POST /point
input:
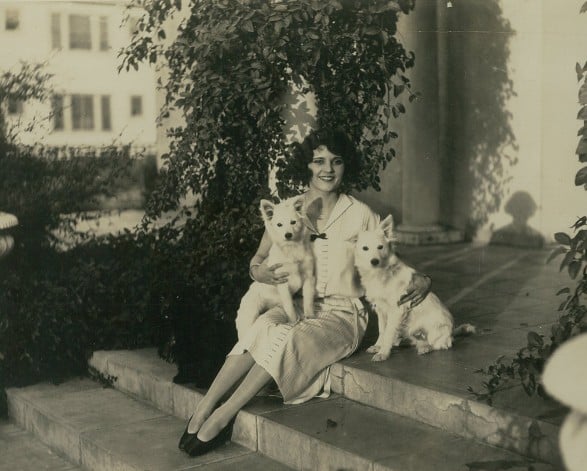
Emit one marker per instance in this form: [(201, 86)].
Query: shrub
[(56, 308)]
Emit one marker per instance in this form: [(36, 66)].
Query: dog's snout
[(288, 235), (374, 262)]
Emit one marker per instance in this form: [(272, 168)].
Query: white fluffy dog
[(291, 247), (429, 325)]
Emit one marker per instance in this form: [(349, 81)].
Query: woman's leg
[(233, 369), (251, 385)]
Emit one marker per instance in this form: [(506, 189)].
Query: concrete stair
[(136, 426), (20, 450)]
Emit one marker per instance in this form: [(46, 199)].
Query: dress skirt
[(298, 356)]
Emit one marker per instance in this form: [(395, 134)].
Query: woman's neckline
[(319, 213)]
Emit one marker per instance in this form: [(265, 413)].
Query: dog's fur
[(429, 325), (291, 247)]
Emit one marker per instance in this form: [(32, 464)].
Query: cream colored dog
[(291, 247), (429, 325)]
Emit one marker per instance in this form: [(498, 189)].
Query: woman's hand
[(417, 290), (267, 274)]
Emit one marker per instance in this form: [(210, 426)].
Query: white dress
[(299, 356)]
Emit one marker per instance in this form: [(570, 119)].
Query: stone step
[(336, 433), (23, 452), (411, 391), (100, 428)]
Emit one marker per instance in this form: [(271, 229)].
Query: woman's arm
[(417, 290), (259, 270)]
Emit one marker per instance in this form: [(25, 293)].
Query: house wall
[(80, 71), (496, 148)]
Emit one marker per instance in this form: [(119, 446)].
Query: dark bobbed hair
[(338, 142)]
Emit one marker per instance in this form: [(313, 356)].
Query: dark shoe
[(196, 447), (186, 436)]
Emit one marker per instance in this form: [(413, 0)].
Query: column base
[(427, 235)]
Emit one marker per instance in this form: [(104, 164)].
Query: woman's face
[(327, 170)]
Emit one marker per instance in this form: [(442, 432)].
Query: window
[(136, 105), (55, 30), (14, 106), (12, 19), (79, 32), (82, 112), (105, 105), (104, 45), (57, 111)]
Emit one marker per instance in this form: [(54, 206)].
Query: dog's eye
[(279, 224), (293, 223), (365, 247), (379, 247)]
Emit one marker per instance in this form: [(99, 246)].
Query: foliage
[(29, 82), (528, 364), (230, 68), (58, 307)]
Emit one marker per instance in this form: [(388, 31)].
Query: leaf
[(579, 71), (581, 177), (563, 291), (574, 268), (535, 340), (582, 146), (569, 257), (555, 253), (582, 113), (562, 238), (584, 8)]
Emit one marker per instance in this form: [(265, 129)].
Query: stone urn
[(7, 221)]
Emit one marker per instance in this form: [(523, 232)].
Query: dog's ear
[(266, 207), (298, 205), (387, 227)]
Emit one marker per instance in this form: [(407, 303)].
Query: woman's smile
[(327, 170)]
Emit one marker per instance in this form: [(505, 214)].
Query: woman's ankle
[(215, 423)]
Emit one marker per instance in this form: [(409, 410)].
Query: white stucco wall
[(550, 37)]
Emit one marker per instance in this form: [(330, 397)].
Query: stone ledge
[(466, 418), (256, 429)]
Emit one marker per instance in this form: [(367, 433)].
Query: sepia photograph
[(266, 235)]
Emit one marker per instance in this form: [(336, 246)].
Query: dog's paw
[(374, 349), (423, 349), (380, 357)]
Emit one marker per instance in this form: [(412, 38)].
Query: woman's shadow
[(518, 233)]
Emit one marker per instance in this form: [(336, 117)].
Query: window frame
[(80, 38), (58, 111), (56, 31), (136, 106), (106, 110), (82, 119), (103, 34), (15, 24)]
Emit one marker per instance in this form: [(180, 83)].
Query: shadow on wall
[(520, 207), (479, 131)]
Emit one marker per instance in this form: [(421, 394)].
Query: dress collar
[(343, 203)]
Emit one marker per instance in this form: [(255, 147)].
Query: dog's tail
[(464, 329)]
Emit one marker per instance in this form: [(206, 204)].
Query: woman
[(298, 356)]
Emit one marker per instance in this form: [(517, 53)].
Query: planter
[(7, 221)]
